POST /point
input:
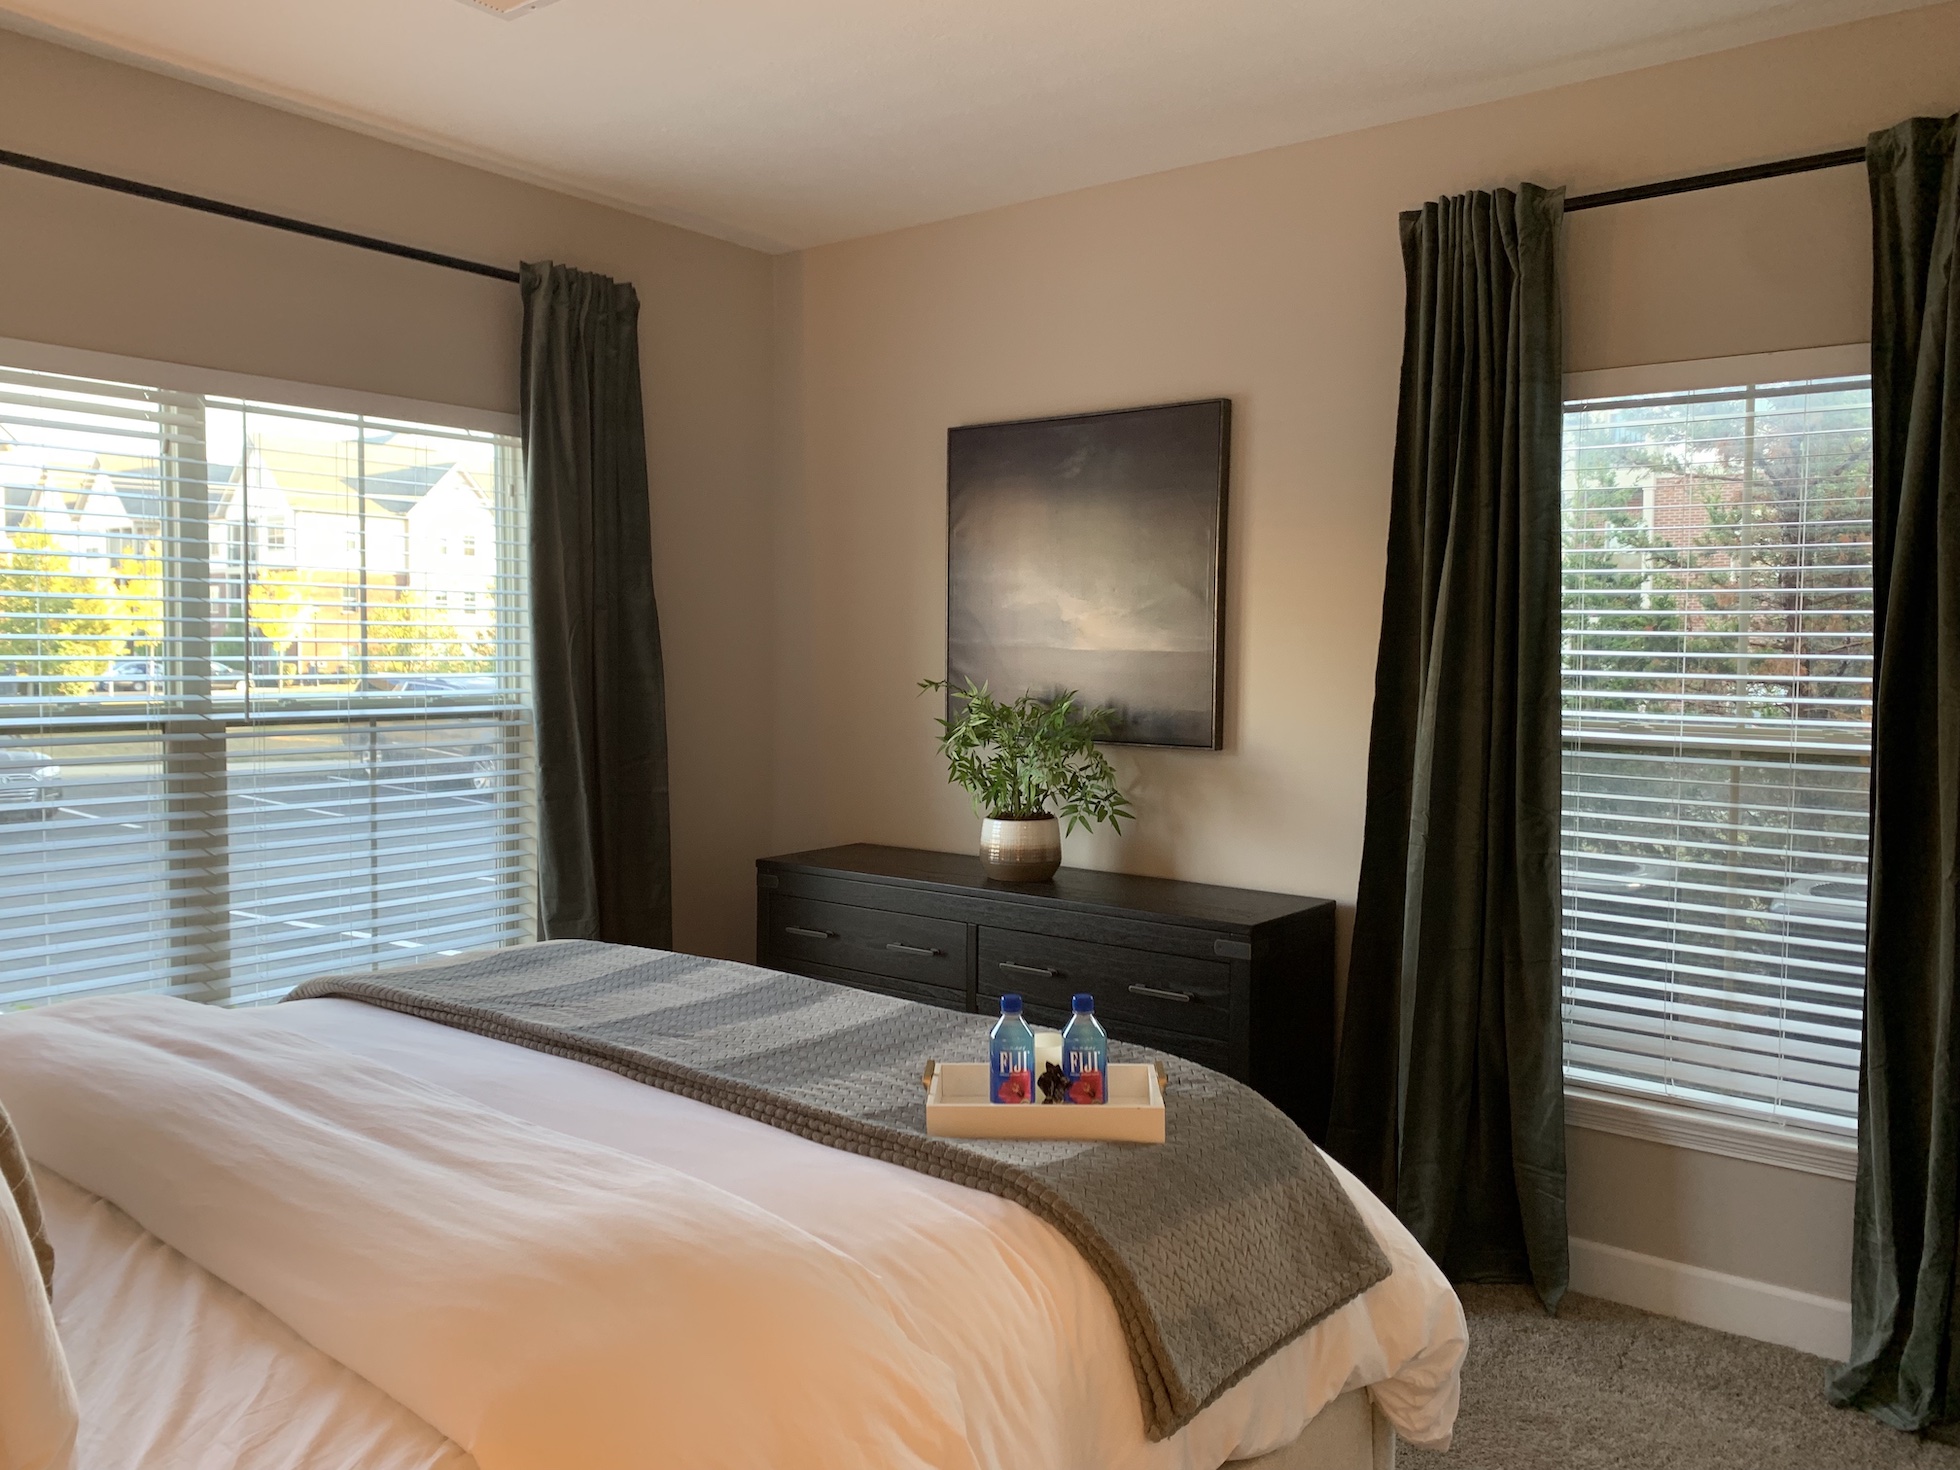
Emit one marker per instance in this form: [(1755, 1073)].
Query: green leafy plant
[(1031, 758)]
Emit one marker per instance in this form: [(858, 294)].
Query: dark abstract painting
[(1088, 553)]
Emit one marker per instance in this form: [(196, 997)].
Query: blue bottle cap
[(1010, 1005), (1084, 1005)]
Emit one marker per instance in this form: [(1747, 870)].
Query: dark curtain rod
[(1809, 163), (30, 164)]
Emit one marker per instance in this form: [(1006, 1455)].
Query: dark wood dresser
[(1240, 981)]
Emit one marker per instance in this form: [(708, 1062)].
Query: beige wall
[(83, 268), (1276, 279), (1742, 1218)]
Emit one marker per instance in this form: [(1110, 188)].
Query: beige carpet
[(1603, 1387)]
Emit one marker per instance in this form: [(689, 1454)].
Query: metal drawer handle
[(1182, 997), (898, 948), (808, 933), (1030, 970)]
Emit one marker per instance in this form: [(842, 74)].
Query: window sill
[(1710, 1133)]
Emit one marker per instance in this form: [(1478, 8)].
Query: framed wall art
[(1088, 553)]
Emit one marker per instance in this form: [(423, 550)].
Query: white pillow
[(37, 1397)]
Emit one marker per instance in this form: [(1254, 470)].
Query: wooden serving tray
[(957, 1107)]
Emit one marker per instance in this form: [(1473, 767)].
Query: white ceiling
[(787, 123)]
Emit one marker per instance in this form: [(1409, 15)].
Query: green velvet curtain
[(1903, 1282), (601, 694), (1449, 1098)]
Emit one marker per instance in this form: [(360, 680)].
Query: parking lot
[(295, 851)]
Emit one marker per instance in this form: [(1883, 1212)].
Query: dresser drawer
[(1167, 992), (931, 995), (1203, 1050), (870, 941)]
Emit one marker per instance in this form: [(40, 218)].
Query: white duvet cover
[(552, 1265), (177, 1371)]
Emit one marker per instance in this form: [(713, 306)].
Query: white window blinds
[(255, 722), (1717, 649)]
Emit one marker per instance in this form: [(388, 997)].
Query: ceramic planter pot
[(1014, 851)]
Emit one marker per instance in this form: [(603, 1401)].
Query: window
[(1717, 649), (469, 546), (218, 774)]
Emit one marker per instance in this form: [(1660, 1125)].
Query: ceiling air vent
[(508, 9)]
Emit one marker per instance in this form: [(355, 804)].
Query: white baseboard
[(1758, 1309)]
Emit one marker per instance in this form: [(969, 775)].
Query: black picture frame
[(1087, 552)]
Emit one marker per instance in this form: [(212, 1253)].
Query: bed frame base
[(1349, 1434)]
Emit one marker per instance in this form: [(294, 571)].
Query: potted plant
[(1026, 764)]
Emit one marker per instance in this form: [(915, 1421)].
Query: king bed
[(332, 1233)]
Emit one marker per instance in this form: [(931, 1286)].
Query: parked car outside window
[(30, 784), (145, 676)]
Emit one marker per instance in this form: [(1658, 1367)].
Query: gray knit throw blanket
[(1218, 1246)]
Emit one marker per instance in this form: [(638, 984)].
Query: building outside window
[(223, 770), (1717, 652)]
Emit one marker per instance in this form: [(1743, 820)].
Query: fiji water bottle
[(1085, 1054), (1010, 1056)]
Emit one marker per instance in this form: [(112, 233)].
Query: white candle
[(1047, 1048)]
